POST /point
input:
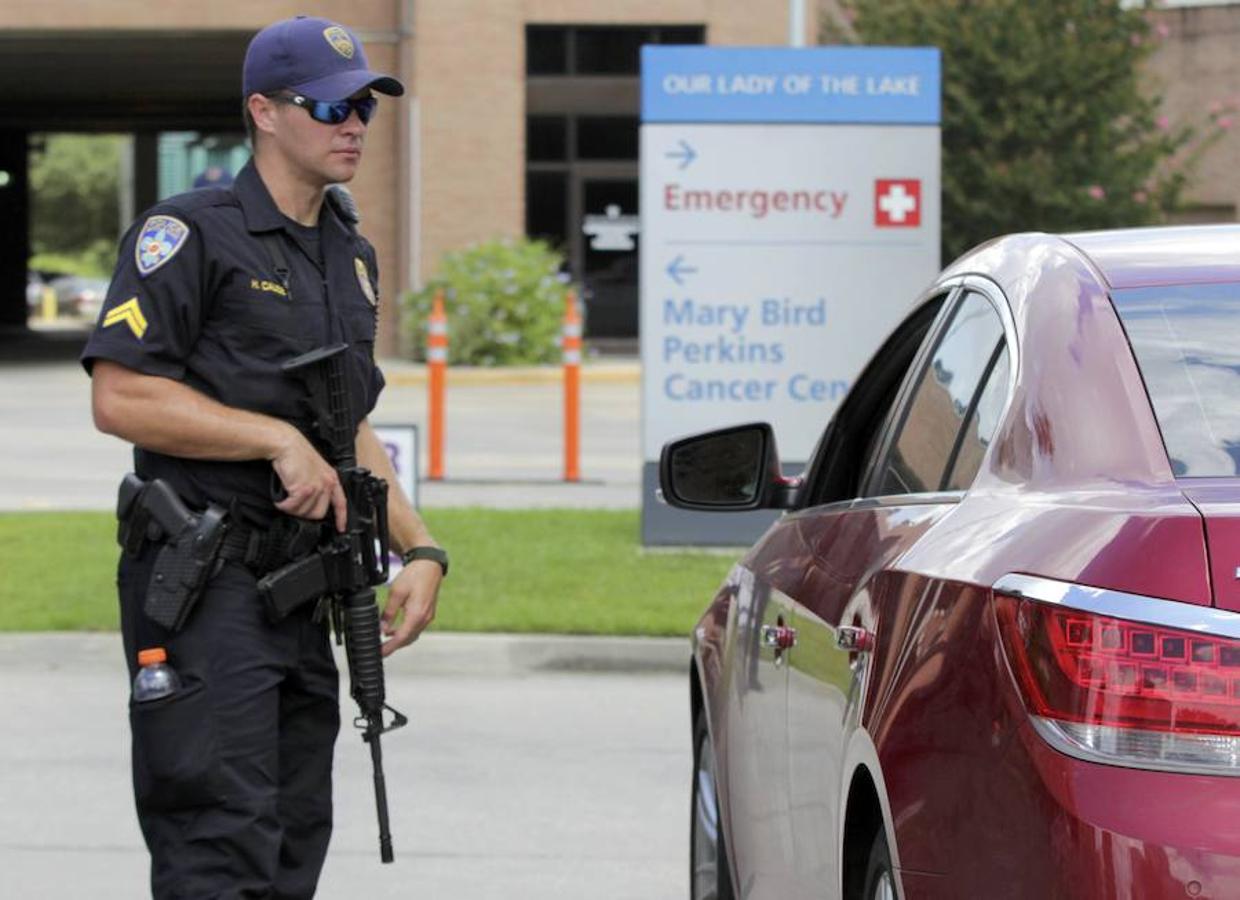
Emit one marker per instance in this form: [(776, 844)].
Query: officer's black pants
[(232, 775)]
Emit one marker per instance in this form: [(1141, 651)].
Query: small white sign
[(401, 444), (613, 231)]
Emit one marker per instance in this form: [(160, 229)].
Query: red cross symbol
[(897, 203)]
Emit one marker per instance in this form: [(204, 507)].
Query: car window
[(847, 447), (942, 400), (1184, 340), (975, 436)]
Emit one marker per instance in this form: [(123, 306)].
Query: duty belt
[(193, 545), (265, 550), (152, 512)]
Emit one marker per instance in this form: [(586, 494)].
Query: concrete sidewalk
[(434, 654), (404, 373)]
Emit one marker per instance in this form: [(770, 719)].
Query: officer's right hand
[(312, 485)]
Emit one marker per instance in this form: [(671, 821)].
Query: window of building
[(607, 137), (546, 50), (546, 207), (610, 51), (583, 104), (598, 49), (546, 138)]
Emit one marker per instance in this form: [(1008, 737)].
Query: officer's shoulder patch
[(158, 241)]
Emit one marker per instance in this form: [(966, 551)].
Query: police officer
[(213, 290)]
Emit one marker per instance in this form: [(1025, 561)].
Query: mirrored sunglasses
[(333, 112)]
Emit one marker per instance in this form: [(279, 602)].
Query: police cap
[(315, 57)]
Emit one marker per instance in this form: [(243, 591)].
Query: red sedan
[(992, 649)]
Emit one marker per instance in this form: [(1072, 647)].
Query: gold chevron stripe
[(130, 313)]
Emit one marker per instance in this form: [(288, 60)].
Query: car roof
[(1145, 257)]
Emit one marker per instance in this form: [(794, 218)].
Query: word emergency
[(758, 203)]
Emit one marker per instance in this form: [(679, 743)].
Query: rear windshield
[(1187, 342)]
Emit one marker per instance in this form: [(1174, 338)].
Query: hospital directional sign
[(790, 214)]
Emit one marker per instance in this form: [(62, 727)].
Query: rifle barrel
[(381, 807)]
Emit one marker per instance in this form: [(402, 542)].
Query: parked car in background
[(34, 293), (992, 649), (79, 296)]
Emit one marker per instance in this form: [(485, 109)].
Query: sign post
[(790, 215)]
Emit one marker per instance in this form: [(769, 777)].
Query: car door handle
[(778, 637), (854, 639)]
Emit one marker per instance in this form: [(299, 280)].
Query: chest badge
[(158, 241), (363, 279)]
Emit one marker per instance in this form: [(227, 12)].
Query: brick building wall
[(1197, 65)]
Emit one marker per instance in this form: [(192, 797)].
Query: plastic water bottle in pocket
[(155, 678)]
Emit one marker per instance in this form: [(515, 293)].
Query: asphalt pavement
[(521, 776)]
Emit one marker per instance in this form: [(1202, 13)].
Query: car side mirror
[(729, 470)]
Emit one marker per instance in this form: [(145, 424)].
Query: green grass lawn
[(558, 571)]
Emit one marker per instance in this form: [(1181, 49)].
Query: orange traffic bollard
[(437, 365), (572, 389)]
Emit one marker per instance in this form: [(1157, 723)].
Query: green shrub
[(504, 300), (75, 201), (95, 261)]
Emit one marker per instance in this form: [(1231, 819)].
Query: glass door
[(604, 246)]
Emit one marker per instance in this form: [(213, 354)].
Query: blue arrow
[(676, 268), (685, 154)]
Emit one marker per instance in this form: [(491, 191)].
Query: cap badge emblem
[(363, 279), (158, 241), (340, 40)]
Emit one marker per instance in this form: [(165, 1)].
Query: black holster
[(190, 552)]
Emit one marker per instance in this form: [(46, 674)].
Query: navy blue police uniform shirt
[(196, 298)]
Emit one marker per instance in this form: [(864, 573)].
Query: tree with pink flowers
[(1048, 123)]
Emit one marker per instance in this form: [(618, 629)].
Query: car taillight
[(1125, 692)]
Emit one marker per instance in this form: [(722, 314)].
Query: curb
[(436, 654), (402, 373), (518, 654)]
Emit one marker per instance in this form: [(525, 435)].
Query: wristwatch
[(438, 554)]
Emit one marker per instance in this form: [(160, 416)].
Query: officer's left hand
[(411, 603)]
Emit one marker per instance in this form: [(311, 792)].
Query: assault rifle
[(346, 566)]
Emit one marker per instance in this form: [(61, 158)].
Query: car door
[(760, 814), (911, 479), (759, 810), (757, 746)]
